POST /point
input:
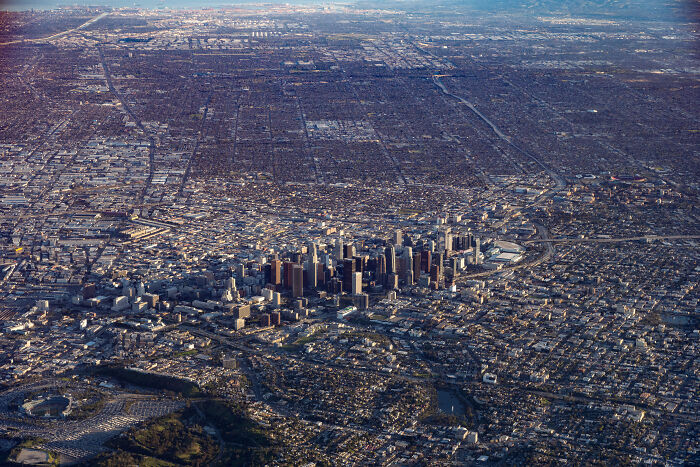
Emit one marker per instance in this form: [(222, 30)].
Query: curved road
[(613, 239), (60, 34), (558, 179)]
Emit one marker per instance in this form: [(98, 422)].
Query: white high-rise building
[(357, 283)]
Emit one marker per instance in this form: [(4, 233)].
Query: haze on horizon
[(682, 10)]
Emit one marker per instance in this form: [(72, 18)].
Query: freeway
[(545, 256), (558, 179), (139, 124), (614, 239), (244, 348), (60, 34)]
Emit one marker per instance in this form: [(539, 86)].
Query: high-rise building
[(477, 251), (312, 274), (356, 283), (349, 268), (276, 318), (390, 253), (380, 271), (151, 299), (435, 273), (398, 238), (320, 274), (334, 286), (339, 251), (276, 272), (401, 266), (359, 263), (297, 280), (349, 251), (287, 274), (276, 299), (425, 261), (408, 264), (455, 263), (439, 259), (416, 266), (265, 320), (361, 301), (242, 311)]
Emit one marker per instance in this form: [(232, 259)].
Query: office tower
[(431, 246), (266, 293), (297, 280), (416, 266), (380, 271), (398, 238), (408, 263), (439, 259), (392, 281), (463, 242), (312, 274), (151, 299), (276, 318), (477, 251), (127, 289), (448, 242), (356, 283), (349, 251), (435, 273), (348, 270), (240, 271), (335, 286), (276, 272), (242, 311), (267, 273), (390, 253), (277, 299), (320, 274), (361, 301), (265, 320), (339, 251), (313, 252), (425, 261), (360, 263), (401, 266), (287, 274)]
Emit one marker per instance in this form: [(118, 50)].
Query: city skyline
[(350, 234)]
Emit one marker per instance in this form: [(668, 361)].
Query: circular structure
[(49, 406)]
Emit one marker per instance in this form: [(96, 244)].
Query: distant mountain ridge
[(678, 10)]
